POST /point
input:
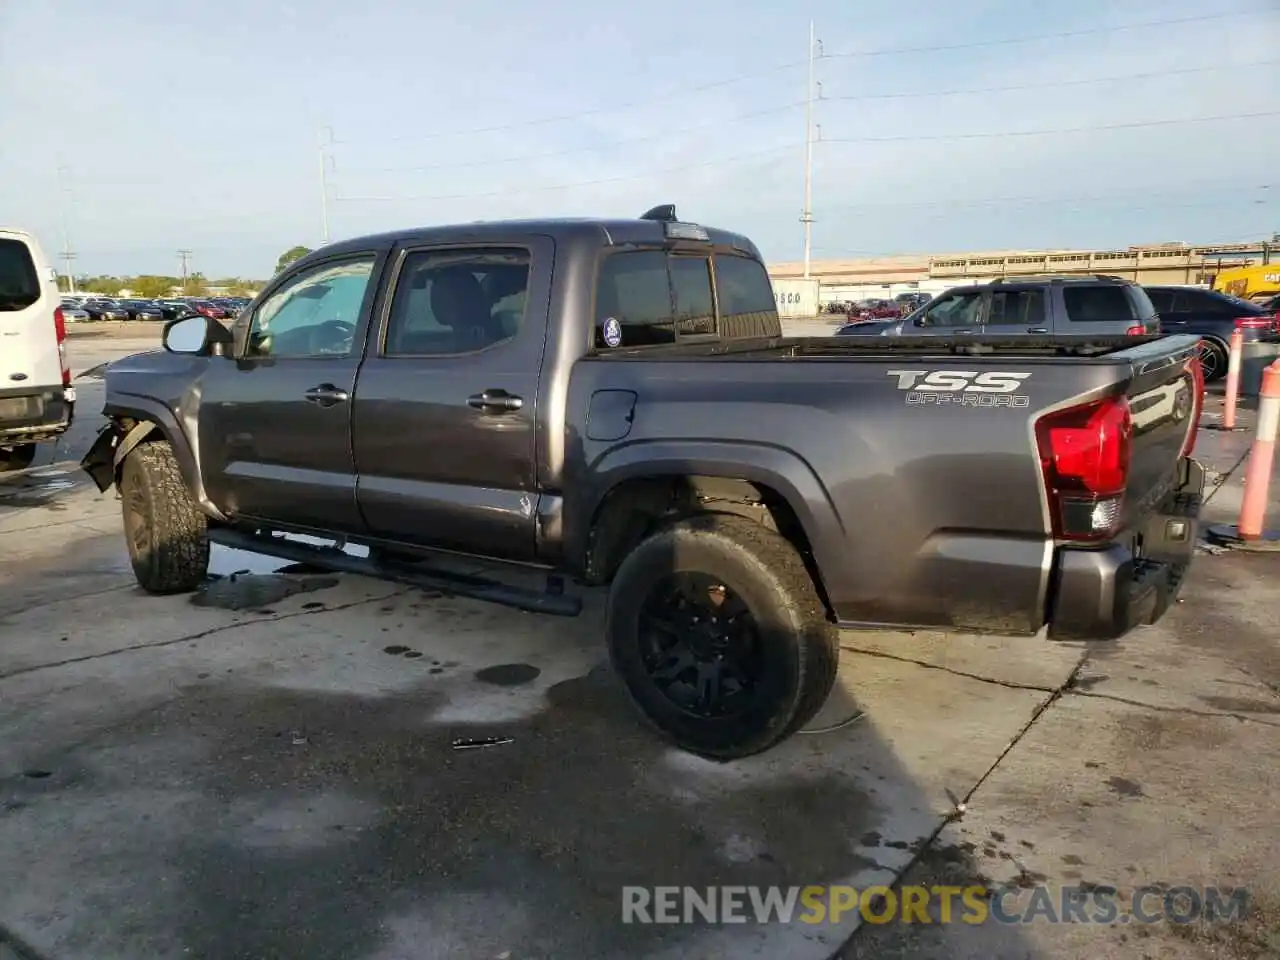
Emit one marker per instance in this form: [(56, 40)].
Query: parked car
[(607, 418), (874, 310), (209, 310), (100, 308), (142, 310), (1031, 306), (72, 312), (37, 400), (1214, 316), (173, 309)]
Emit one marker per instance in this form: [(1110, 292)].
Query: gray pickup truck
[(611, 402)]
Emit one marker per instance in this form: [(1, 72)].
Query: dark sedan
[(101, 308), (142, 310), (1214, 316)]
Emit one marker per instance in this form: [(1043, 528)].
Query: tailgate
[(1165, 399)]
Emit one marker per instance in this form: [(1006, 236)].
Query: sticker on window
[(612, 331)]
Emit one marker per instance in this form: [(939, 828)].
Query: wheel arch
[(647, 486)]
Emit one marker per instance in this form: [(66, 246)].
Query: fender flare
[(771, 466), (153, 416)]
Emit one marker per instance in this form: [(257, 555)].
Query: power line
[(569, 186), (665, 135), (592, 112), (1061, 35), (958, 92), (795, 105), (1136, 124), (789, 65), (183, 257), (1136, 191)]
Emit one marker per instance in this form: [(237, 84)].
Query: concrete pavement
[(271, 772)]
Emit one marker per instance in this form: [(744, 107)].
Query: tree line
[(152, 285)]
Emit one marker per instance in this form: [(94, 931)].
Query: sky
[(141, 127)]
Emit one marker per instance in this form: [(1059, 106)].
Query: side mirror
[(195, 334)]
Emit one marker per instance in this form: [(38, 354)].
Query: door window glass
[(313, 315), (955, 310), (1016, 308), (1162, 300), (449, 302)]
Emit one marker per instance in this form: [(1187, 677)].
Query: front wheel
[(17, 457), (166, 533), (718, 633)]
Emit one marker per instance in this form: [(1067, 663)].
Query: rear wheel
[(1213, 358), (718, 633), (166, 533), (17, 457)]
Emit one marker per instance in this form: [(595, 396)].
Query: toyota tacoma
[(613, 403)]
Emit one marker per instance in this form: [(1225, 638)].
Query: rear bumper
[(1102, 593), (29, 416)]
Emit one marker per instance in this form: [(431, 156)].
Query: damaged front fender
[(103, 460)]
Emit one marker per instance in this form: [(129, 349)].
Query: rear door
[(30, 358), (1017, 311), (446, 406)]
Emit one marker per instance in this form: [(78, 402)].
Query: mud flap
[(99, 462)]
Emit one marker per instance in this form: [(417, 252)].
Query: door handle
[(495, 401), (1037, 329), (962, 331), (326, 395)]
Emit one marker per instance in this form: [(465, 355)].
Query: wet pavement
[(289, 763)]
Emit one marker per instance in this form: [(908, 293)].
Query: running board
[(416, 575)]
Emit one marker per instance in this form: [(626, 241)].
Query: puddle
[(224, 561), (508, 674), (251, 591)]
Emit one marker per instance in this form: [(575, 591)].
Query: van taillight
[(1195, 370), (60, 331), (1084, 457)]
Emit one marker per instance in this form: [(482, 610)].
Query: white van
[(37, 400)]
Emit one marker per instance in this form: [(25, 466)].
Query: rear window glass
[(1097, 304), (1143, 307), (634, 290), (691, 285), (19, 284), (747, 307)]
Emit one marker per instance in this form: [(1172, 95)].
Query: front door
[(952, 314), (446, 405), (275, 420)]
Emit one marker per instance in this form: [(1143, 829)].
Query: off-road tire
[(1218, 354), (166, 533), (766, 571), (17, 457)]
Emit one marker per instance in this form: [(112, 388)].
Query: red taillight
[(1136, 331), (60, 331), (1255, 323), (1084, 456), (1195, 370)]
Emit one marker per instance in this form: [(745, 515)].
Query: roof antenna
[(664, 212)]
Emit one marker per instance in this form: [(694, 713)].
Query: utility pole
[(65, 199), (807, 216), (326, 140), (183, 257)]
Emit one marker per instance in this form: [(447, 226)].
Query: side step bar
[(416, 575)]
